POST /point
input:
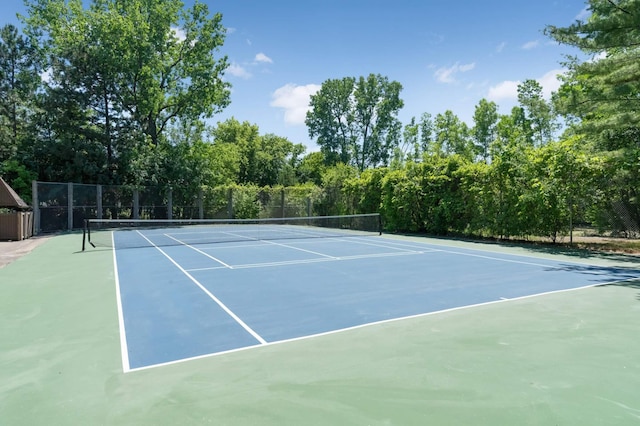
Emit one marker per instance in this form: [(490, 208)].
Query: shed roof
[(9, 198)]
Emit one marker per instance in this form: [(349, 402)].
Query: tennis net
[(120, 233)]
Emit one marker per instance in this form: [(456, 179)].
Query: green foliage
[(485, 118), (539, 112), (121, 73), (245, 201), (425, 197), (365, 191), (602, 92), (334, 200), (18, 177), (130, 83), (19, 79), (262, 160), (451, 136), (311, 168), (355, 121)]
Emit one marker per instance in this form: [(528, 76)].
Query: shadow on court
[(536, 248)]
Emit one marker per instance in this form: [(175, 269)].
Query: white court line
[(300, 249), (360, 241), (377, 323), (223, 246), (199, 251), (288, 246), (305, 261), (124, 349), (415, 245), (211, 295)]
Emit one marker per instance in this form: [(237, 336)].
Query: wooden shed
[(16, 217)]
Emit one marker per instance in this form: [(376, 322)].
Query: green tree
[(452, 136), (332, 121), (263, 160), (600, 97), (130, 68), (426, 132), (355, 122), (539, 112), (485, 120), (410, 148), (335, 200), (511, 130), (311, 168), (19, 80), (245, 137), (603, 92)]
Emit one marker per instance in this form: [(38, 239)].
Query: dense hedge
[(525, 191)]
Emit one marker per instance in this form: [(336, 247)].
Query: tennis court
[(277, 323)]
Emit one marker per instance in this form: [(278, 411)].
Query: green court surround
[(565, 358)]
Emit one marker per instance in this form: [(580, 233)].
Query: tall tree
[(603, 91), (355, 122), (138, 64), (601, 96), (263, 160), (19, 80), (426, 132), (538, 110), (452, 136), (410, 149), (512, 130), (485, 119)]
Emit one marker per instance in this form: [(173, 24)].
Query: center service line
[(211, 295), (199, 251)]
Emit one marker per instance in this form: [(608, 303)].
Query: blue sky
[(446, 55)]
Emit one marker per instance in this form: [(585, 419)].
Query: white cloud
[(179, 33), (295, 101), (501, 47), (238, 71), (261, 57), (231, 30), (550, 82), (531, 45), (447, 75), (506, 90)]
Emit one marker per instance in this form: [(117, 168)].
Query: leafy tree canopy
[(603, 92), (355, 121)]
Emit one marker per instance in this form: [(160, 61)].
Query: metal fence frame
[(61, 206)]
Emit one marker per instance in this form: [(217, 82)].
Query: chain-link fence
[(65, 206)]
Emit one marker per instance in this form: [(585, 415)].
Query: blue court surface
[(184, 301)]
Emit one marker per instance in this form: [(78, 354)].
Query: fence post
[(136, 204), (36, 207), (70, 205), (308, 206), (169, 204), (99, 201), (230, 203), (282, 200), (200, 204)]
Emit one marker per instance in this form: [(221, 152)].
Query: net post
[(84, 234), (282, 204), (379, 224)]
